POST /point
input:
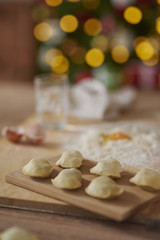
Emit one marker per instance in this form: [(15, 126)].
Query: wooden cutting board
[(15, 156), (118, 209)]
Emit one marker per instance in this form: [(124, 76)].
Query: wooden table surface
[(16, 103)]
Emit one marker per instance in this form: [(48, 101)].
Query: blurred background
[(114, 41)]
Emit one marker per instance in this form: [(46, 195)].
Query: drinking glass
[(51, 99)]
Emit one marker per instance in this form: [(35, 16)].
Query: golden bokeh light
[(53, 3), (153, 40), (69, 23), (91, 4), (153, 61), (158, 25), (94, 57), (77, 55), (120, 54), (158, 1), (100, 42), (43, 31), (144, 50), (51, 54), (132, 15), (155, 43), (92, 27), (139, 39), (60, 64)]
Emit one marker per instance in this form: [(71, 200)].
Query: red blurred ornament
[(145, 2), (82, 76), (142, 76), (108, 23), (84, 16)]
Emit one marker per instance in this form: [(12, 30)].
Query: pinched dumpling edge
[(30, 168), (112, 190), (72, 174), (143, 177), (70, 159), (113, 172)]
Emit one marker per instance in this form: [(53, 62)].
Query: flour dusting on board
[(141, 149)]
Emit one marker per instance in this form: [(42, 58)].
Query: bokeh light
[(53, 3), (100, 42), (145, 50), (68, 23), (155, 42), (43, 31), (120, 54), (139, 39), (94, 57), (158, 25), (77, 55), (51, 54), (92, 27), (158, 1), (59, 64), (91, 4), (132, 15), (153, 61)]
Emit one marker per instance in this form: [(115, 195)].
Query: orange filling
[(114, 137), (119, 135)]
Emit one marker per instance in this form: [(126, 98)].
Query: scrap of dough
[(110, 167), (103, 187), (70, 159), (148, 179), (68, 179), (37, 167), (16, 233)]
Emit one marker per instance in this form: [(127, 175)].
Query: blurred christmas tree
[(113, 41)]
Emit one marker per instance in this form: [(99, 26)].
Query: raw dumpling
[(70, 159), (37, 167), (110, 167), (103, 187), (16, 233), (68, 179), (148, 179)]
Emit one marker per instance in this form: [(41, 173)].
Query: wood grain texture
[(52, 226), (118, 209), (15, 156)]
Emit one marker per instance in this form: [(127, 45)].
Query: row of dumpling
[(101, 187)]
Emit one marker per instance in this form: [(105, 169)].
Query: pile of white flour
[(143, 150)]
